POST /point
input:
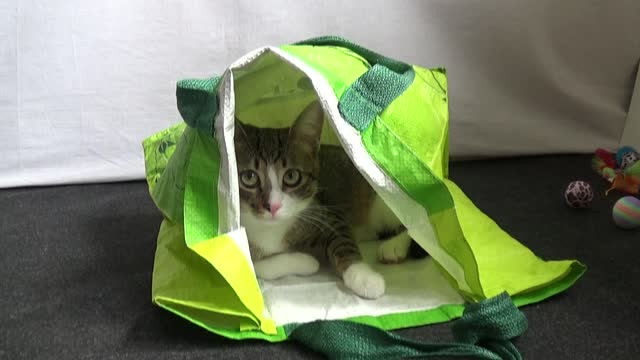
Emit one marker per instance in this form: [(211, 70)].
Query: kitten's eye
[(249, 178), (292, 178)]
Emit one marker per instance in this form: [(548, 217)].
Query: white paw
[(280, 265), (363, 281), (264, 271), (363, 233), (394, 250), (303, 264)]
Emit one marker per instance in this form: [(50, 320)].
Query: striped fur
[(319, 228)]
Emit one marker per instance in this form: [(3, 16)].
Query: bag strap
[(484, 331), (371, 93), (371, 56), (198, 102)]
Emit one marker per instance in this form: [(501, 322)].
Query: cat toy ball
[(629, 159), (621, 169), (578, 194), (618, 155), (626, 212)]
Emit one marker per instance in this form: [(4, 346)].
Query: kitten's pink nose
[(274, 207)]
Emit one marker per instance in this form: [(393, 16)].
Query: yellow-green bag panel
[(504, 264), (182, 276), (167, 155), (415, 179), (201, 189), (419, 118), (224, 254), (339, 66), (158, 149), (211, 322)]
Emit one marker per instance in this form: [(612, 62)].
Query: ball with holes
[(579, 194), (629, 159), (626, 212), (622, 152)]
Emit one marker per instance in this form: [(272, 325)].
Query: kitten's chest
[(266, 239)]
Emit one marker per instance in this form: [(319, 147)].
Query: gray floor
[(76, 268)]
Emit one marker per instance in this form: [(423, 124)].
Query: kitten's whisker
[(317, 220), (304, 220), (337, 210), (313, 221), (319, 226), (318, 206)]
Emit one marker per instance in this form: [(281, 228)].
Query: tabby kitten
[(301, 203)]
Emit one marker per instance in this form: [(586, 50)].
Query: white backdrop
[(83, 82)]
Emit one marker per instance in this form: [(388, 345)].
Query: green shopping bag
[(391, 119)]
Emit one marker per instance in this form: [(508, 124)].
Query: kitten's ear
[(308, 126), (240, 137), (239, 133)]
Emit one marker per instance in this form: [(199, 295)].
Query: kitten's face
[(278, 168)]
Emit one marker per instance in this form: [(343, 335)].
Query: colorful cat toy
[(621, 169)]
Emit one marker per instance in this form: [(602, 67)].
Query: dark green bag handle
[(484, 331)]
